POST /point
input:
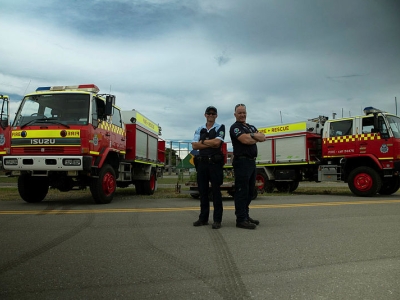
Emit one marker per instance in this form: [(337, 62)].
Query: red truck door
[(340, 138), (379, 143)]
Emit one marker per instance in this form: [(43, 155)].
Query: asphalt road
[(306, 247)]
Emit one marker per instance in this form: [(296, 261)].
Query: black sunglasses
[(211, 114)]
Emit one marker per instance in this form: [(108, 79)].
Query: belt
[(245, 157), (205, 159)]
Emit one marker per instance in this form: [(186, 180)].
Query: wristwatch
[(252, 134)]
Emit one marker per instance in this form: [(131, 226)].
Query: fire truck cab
[(70, 137), (363, 151)]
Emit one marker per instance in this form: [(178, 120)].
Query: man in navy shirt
[(244, 138), (208, 139)]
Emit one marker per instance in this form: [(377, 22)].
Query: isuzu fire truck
[(363, 151), (71, 137), (4, 126)]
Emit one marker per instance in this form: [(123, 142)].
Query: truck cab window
[(116, 118), (99, 107), (341, 128), (367, 125), (394, 123), (383, 128)]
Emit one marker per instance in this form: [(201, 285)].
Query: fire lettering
[(73, 133)]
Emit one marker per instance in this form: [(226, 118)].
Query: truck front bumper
[(47, 163)]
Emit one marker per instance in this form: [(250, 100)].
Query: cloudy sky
[(288, 61)]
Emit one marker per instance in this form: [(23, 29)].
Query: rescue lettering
[(43, 141), (148, 123), (280, 128)]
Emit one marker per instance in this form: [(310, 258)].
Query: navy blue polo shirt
[(240, 149)]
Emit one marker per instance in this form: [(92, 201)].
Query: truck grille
[(48, 150)]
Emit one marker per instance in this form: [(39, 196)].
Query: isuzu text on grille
[(43, 141)]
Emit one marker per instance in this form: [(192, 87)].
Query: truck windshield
[(63, 108), (394, 123)]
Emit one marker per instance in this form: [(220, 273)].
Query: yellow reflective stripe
[(352, 138), (2, 152), (94, 152), (71, 133), (142, 120), (288, 128), (112, 127)]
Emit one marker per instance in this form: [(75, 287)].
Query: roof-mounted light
[(370, 110), (43, 88), (82, 87)]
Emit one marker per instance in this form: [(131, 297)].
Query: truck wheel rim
[(260, 179), (108, 184), (152, 182), (363, 182)]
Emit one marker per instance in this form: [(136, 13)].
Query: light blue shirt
[(219, 136)]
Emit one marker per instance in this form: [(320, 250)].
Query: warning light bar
[(83, 87), (370, 110)]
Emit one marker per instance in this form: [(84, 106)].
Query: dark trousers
[(208, 172), (245, 181)]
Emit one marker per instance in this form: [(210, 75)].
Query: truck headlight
[(71, 162), (10, 161)]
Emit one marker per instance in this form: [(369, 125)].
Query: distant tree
[(174, 157)]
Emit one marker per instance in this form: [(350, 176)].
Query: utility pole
[(170, 159)]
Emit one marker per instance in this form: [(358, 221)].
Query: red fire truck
[(4, 126), (71, 137), (363, 151)]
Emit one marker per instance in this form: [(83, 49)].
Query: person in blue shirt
[(208, 139)]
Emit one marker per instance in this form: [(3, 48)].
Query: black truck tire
[(103, 187), (364, 182), (287, 186), (32, 189), (150, 186), (390, 186), (139, 187)]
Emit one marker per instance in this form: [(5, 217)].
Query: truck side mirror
[(110, 101)]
